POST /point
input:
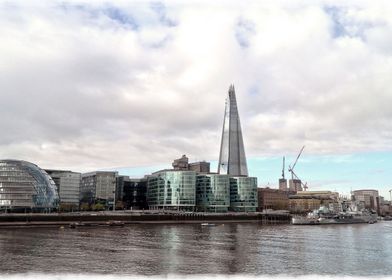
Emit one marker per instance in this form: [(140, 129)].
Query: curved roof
[(24, 184)]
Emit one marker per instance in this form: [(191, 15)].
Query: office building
[(26, 187), (212, 192), (243, 194), (172, 189), (131, 193), (68, 186), (369, 198), (273, 199), (98, 186)]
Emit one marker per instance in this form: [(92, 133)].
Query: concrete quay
[(113, 218)]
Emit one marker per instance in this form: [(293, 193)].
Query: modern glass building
[(98, 186), (131, 192), (232, 159), (172, 189), (243, 194), (26, 187), (212, 192)]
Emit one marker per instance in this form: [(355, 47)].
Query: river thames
[(237, 248)]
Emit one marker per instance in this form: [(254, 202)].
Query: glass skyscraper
[(232, 159), (172, 189)]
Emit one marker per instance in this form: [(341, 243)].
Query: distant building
[(283, 185), (200, 167), (305, 201), (172, 189), (181, 163), (68, 186), (98, 186), (132, 193), (212, 192), (368, 197), (295, 185), (272, 199), (303, 204), (385, 207), (322, 195), (26, 187)]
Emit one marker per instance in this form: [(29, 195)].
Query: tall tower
[(232, 158)]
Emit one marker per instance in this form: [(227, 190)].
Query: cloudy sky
[(131, 85)]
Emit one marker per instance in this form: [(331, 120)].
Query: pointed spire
[(232, 158)]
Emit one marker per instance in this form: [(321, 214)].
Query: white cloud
[(88, 85)]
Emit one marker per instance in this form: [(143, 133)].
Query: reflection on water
[(192, 249)]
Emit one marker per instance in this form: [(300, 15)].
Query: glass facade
[(172, 190), (131, 192), (243, 194), (212, 193), (24, 185)]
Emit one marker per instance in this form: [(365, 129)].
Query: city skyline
[(92, 86)]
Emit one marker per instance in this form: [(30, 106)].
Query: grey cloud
[(84, 96)]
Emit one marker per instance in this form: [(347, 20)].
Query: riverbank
[(115, 218)]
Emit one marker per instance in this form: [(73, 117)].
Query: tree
[(98, 207), (85, 207)]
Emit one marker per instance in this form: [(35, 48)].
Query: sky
[(132, 85)]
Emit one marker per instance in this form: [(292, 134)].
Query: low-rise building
[(303, 205), (274, 199), (306, 201)]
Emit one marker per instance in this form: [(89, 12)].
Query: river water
[(238, 248)]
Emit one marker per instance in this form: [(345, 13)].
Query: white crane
[(293, 175)]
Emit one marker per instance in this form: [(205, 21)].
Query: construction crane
[(293, 175), (390, 197)]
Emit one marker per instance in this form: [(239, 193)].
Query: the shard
[(232, 158)]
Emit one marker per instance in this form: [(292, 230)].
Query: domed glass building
[(24, 186)]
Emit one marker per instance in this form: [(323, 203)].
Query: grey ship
[(324, 216)]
